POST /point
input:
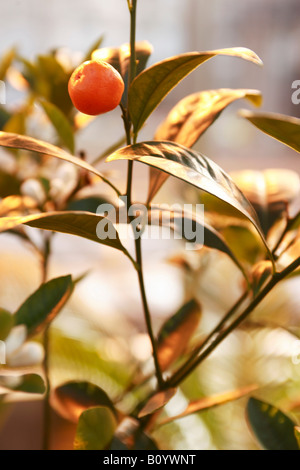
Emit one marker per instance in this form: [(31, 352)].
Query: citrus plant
[(249, 223)]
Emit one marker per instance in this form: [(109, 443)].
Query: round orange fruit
[(95, 87)]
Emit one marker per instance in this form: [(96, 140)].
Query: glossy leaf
[(60, 123), (28, 383), (157, 401), (44, 304), (95, 429), (176, 333), (72, 398), (190, 118), (151, 86), (273, 429), (297, 434), (11, 140), (206, 403), (177, 220), (286, 129), (6, 323), (193, 168), (82, 224)]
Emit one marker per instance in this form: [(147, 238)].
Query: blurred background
[(104, 316)]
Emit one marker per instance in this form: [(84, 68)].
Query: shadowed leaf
[(86, 204), (212, 401), (190, 118), (60, 123), (151, 86), (297, 435), (286, 129), (95, 429), (11, 140), (72, 398), (6, 323), (44, 304), (157, 401), (176, 333), (28, 383), (273, 429), (82, 224), (9, 184)]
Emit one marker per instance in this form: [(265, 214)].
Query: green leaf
[(93, 47), (157, 401), (190, 118), (193, 168), (44, 304), (206, 403), (82, 224), (28, 383), (95, 429), (6, 323), (12, 140), (60, 123), (286, 129), (151, 86), (72, 398), (297, 434), (273, 429), (176, 332)]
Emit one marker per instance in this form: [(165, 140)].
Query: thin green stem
[(147, 312), (216, 330), (277, 277)]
